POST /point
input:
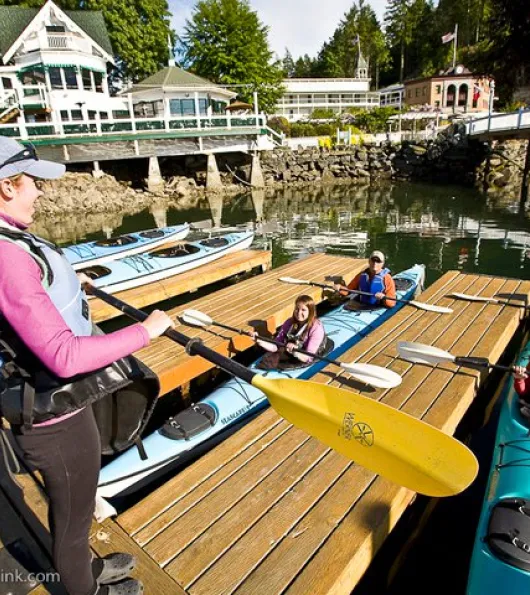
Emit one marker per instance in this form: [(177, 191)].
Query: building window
[(91, 114), (438, 89), (7, 83), (103, 115), (424, 91), (409, 93), (77, 114), (436, 104), (417, 92), (56, 81), (98, 80), (64, 115), (187, 107), (87, 79), (70, 76), (55, 29)]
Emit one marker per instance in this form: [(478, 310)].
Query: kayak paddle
[(385, 440), (419, 305), (419, 353), (491, 300), (367, 373)]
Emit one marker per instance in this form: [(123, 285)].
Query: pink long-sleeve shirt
[(29, 310), (314, 337)]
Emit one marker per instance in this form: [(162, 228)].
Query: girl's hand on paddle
[(520, 372), (86, 281), (380, 295), (290, 347), (156, 323), (338, 287)]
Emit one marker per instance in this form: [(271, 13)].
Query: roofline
[(446, 76), (9, 54)]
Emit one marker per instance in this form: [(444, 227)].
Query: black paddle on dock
[(419, 353), (385, 440)]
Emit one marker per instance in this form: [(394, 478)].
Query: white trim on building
[(303, 96)]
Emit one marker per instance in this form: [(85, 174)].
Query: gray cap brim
[(45, 170)]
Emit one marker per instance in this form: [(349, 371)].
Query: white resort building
[(303, 96)]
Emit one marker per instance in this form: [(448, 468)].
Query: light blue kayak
[(101, 251), (501, 554), (134, 271), (235, 399)]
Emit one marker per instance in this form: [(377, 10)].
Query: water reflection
[(444, 227)]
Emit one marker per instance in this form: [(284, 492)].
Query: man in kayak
[(374, 280), (56, 369), (303, 330)]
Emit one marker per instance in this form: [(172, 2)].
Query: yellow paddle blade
[(385, 440)]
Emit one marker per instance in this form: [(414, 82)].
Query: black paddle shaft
[(480, 362), (358, 291), (271, 340), (193, 346)]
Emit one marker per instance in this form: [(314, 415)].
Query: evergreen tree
[(225, 41), (288, 65), (399, 28)]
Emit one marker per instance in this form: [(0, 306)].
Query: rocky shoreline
[(449, 159)]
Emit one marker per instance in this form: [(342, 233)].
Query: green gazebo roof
[(172, 76)]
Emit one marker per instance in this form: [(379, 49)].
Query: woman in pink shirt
[(45, 328), (303, 330)]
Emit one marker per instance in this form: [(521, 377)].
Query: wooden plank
[(140, 297), (186, 481), (333, 487), (109, 537), (187, 566), (167, 544), (208, 486)]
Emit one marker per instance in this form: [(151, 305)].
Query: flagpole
[(455, 41)]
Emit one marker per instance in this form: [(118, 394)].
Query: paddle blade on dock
[(385, 440)]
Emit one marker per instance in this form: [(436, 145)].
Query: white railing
[(135, 125), (499, 123)]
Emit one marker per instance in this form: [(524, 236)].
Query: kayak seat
[(214, 242), (96, 272), (190, 422), (176, 251), (403, 284), (117, 241), (508, 534), (152, 234), (281, 360)]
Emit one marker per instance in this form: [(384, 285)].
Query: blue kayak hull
[(141, 269), (509, 478), (235, 399), (98, 252)]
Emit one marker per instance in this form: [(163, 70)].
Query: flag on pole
[(476, 92), (448, 37)]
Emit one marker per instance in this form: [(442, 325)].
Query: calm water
[(444, 227)]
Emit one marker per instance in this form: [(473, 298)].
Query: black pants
[(68, 456)]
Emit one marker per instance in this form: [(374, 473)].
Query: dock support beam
[(213, 178), (97, 172), (155, 183), (256, 175), (526, 175)]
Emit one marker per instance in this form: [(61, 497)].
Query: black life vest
[(123, 394)]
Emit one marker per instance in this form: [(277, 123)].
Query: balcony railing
[(137, 126)]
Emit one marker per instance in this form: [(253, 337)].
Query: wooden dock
[(236, 263), (271, 510)]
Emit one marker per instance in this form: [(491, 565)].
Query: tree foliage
[(138, 31), (225, 42)]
